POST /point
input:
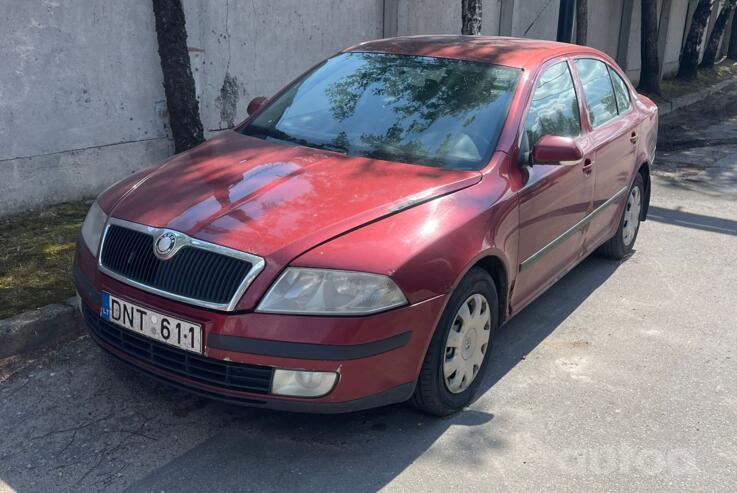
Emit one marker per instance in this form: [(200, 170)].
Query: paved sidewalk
[(621, 377)]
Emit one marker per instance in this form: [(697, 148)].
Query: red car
[(360, 237)]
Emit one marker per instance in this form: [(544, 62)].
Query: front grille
[(192, 273), (223, 374)]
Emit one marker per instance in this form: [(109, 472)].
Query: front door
[(555, 198)]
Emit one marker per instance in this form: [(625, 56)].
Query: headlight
[(92, 227), (326, 291)]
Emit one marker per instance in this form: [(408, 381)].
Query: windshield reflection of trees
[(418, 92)]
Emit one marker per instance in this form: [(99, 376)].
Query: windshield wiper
[(329, 146), (274, 133)]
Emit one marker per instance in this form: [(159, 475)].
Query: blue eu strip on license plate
[(105, 308)]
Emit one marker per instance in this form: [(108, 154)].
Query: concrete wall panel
[(253, 48), (675, 35), (605, 20), (429, 17), (69, 175), (77, 75), (442, 17), (536, 19), (81, 96)]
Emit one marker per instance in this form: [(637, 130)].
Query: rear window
[(421, 110)]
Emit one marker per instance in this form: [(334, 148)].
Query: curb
[(688, 99), (38, 328)]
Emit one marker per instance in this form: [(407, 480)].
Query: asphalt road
[(622, 377)]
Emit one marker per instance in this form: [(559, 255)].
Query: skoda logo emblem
[(165, 244)]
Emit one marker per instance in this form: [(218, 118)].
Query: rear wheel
[(459, 350), (621, 244)]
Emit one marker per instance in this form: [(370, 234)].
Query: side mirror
[(556, 150), (256, 104)]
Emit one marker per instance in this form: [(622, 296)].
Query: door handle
[(633, 137), (588, 166)]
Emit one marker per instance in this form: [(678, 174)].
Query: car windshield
[(413, 109)]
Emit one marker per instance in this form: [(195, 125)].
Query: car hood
[(276, 200)]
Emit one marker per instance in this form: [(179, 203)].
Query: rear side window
[(597, 88), (553, 109), (620, 91)]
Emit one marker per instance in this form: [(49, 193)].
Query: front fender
[(428, 248)]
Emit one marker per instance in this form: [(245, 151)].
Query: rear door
[(613, 139), (554, 198)]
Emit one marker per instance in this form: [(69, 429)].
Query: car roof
[(512, 52)]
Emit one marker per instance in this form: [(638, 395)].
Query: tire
[(433, 393), (620, 245)]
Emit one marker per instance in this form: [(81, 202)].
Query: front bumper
[(377, 357)]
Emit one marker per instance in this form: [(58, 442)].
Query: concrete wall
[(81, 101), (603, 28), (675, 36), (81, 96), (632, 64), (421, 17), (530, 18), (242, 49)]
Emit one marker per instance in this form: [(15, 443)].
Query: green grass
[(36, 253), (672, 88)]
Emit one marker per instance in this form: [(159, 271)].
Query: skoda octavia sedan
[(358, 240)]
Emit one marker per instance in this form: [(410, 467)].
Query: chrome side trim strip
[(571, 231), (257, 263)]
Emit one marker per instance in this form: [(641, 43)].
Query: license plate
[(169, 330)]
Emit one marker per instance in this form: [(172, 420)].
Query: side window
[(597, 88), (620, 91), (553, 109)]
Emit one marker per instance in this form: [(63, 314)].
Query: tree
[(582, 21), (732, 50), (181, 99), (471, 14), (650, 66), (715, 38), (687, 69)]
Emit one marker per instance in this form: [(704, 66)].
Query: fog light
[(302, 383)]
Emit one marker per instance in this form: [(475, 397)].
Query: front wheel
[(621, 244), (459, 350)]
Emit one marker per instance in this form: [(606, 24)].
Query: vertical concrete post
[(391, 18), (663, 22), (623, 42), (716, 4), (506, 17), (689, 16), (727, 37)]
